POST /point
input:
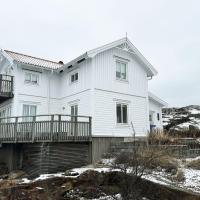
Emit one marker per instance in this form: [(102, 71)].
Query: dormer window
[(74, 77), (121, 70)]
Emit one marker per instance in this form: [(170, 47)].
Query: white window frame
[(31, 74), (73, 105), (127, 107), (126, 70), (26, 117), (74, 74)]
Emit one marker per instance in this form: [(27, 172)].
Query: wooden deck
[(45, 128)]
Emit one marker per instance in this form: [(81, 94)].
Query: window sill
[(73, 83), (31, 84), (122, 125), (122, 80)]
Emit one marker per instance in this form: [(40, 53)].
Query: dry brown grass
[(148, 158), (194, 164), (162, 159), (159, 137)]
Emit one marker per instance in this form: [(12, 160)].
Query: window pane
[(118, 112), (123, 70), (28, 77), (25, 110), (34, 78), (118, 70), (32, 110), (76, 109), (124, 110), (72, 110), (72, 78), (76, 76)]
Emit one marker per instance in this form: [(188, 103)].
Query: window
[(6, 113), (158, 116), (31, 78), (74, 77), (74, 112), (150, 118), (121, 70), (29, 110), (122, 114)]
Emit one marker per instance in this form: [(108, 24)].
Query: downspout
[(49, 92)]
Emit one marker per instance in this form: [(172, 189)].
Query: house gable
[(123, 44)]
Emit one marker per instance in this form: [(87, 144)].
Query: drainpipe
[(49, 91)]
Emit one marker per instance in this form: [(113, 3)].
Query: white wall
[(105, 73), (107, 90), (96, 93), (55, 93), (156, 108), (105, 122)]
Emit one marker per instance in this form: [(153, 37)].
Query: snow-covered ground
[(192, 177)]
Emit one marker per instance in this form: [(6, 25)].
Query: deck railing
[(45, 128), (6, 85)]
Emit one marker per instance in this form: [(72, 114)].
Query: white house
[(109, 83)]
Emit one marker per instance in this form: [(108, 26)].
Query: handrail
[(45, 130), (22, 116), (5, 75)]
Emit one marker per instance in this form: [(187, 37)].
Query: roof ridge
[(33, 57)]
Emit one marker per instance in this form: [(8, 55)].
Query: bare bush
[(138, 163)]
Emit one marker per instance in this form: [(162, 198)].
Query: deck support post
[(51, 127), (33, 129), (90, 128)]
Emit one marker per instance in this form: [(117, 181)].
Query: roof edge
[(157, 99)]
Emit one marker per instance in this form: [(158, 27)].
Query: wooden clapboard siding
[(53, 128), (41, 158)]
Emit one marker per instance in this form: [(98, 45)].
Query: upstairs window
[(74, 77), (122, 114), (31, 78), (121, 70)]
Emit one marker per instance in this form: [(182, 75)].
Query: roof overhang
[(124, 44), (157, 100)]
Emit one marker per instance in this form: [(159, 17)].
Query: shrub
[(179, 177)]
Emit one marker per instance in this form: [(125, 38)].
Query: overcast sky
[(167, 33)]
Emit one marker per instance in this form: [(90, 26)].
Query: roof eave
[(157, 100), (74, 62), (35, 66)]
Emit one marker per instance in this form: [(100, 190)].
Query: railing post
[(15, 128), (59, 126), (33, 129), (12, 79), (1, 83), (90, 128), (51, 127)]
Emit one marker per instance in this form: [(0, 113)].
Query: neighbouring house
[(108, 84)]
